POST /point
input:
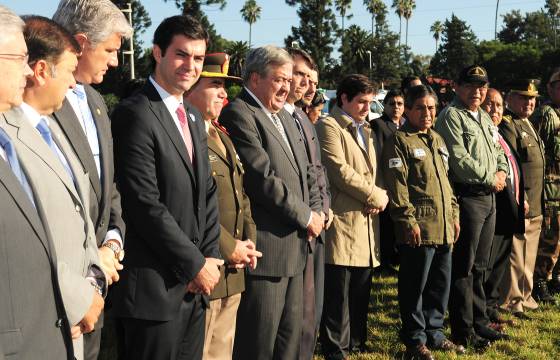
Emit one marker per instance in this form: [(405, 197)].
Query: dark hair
[(405, 82), (178, 25), (417, 92), (352, 85), (47, 40), (318, 99), (304, 54), (392, 94)]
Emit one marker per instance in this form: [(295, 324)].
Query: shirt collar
[(289, 108), (170, 101), (32, 115), (268, 112)]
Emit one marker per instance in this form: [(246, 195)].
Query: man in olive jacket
[(352, 242)]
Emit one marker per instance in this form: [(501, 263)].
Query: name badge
[(395, 163), (212, 158), (419, 153)]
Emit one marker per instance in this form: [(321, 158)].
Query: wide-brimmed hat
[(216, 66)]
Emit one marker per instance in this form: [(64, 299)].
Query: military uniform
[(415, 168), (527, 145), (547, 122)]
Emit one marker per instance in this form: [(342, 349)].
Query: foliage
[(237, 51), (436, 29), (250, 12), (532, 26), (457, 49), (378, 11), (233, 90)]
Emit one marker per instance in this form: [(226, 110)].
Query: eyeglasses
[(24, 58)]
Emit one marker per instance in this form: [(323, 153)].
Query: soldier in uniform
[(237, 230), (426, 217), (546, 120), (527, 146)]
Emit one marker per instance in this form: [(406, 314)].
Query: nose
[(113, 60), (222, 94)]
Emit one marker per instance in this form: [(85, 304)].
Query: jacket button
[(58, 323), (236, 232), (102, 223), (195, 240), (78, 208)]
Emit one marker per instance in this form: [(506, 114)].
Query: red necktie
[(513, 163), (182, 115)]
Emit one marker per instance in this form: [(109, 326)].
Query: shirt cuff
[(114, 234), (96, 276)]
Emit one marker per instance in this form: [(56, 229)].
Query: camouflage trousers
[(549, 242)]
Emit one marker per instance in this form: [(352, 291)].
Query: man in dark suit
[(511, 207), (169, 204), (83, 119), (33, 323), (314, 273), (238, 231), (285, 204)]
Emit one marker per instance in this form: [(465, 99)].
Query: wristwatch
[(119, 253)]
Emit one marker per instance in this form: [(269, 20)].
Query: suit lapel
[(162, 114), (212, 145), (73, 131)]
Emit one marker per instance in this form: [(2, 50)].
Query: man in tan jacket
[(351, 244)]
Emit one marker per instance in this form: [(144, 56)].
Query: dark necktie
[(298, 121), (13, 161)]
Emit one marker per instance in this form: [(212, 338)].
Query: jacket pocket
[(11, 341)]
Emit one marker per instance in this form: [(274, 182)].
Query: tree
[(342, 6), (376, 8), (458, 49), (316, 30), (553, 8), (355, 57), (237, 51), (533, 27), (399, 6), (436, 29), (251, 12), (496, 20), (410, 5)]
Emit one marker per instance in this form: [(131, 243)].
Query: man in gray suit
[(55, 175), (98, 26), (33, 323), (285, 204)]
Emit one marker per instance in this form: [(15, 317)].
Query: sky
[(277, 18)]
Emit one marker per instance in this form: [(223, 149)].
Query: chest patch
[(212, 158), (395, 163), (419, 153)]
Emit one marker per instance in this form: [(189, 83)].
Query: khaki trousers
[(549, 245), (518, 281), (220, 328)]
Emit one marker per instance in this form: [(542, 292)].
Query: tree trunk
[(436, 44), (372, 24), (496, 21), (250, 33), (406, 37), (400, 30)]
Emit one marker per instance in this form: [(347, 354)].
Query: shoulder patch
[(395, 163), (506, 118)]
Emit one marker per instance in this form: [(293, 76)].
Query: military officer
[(426, 217), (527, 145), (546, 120), (238, 230)]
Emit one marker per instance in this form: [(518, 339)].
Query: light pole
[(130, 50), (369, 54)]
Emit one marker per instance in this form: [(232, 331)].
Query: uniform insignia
[(524, 134), (419, 153), (98, 111), (478, 71), (395, 163), (212, 158), (506, 118), (444, 151)]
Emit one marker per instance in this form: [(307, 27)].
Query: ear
[(82, 39), (41, 71), (344, 98), (156, 53)]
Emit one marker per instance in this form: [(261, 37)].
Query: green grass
[(536, 339)]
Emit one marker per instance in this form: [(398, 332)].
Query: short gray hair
[(10, 23), (259, 60), (97, 19)]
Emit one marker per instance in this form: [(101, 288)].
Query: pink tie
[(182, 115), (513, 163)]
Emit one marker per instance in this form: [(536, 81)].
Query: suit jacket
[(105, 200), (63, 205), (383, 128), (528, 147), (511, 214), (33, 323), (281, 186), (169, 206), (235, 213), (353, 238)]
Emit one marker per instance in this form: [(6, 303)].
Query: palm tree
[(410, 5), (342, 6), (496, 20), (399, 6), (374, 7), (436, 29), (237, 50), (251, 12)]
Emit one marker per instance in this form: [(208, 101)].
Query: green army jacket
[(474, 152), (547, 122), (415, 169)]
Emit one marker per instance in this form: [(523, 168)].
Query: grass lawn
[(536, 339)]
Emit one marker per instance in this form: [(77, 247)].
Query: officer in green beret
[(527, 145), (426, 218), (546, 120)]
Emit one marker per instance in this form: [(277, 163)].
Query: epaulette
[(506, 118)]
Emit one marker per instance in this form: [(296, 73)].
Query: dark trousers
[(92, 343), (312, 319), (424, 281), (467, 303), (344, 324), (269, 318), (497, 266), (179, 339)]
